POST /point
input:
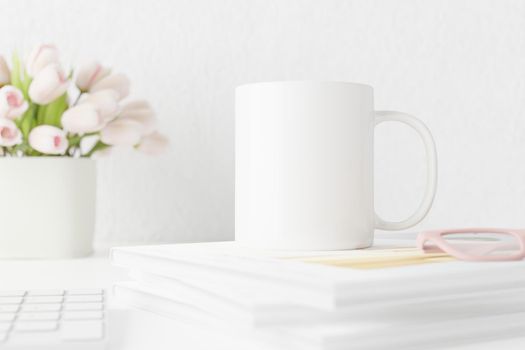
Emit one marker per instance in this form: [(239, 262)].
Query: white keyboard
[(72, 319)]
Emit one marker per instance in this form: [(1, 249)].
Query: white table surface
[(133, 329)]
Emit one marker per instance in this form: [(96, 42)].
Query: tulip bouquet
[(42, 112)]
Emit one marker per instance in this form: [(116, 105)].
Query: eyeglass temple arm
[(478, 249)]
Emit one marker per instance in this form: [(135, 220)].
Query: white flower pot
[(47, 207)]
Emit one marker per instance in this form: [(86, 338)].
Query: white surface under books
[(138, 330)]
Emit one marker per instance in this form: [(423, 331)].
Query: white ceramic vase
[(47, 207)]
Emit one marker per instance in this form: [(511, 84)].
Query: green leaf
[(19, 77), (16, 79), (53, 111), (40, 115), (74, 140), (26, 82), (28, 122)]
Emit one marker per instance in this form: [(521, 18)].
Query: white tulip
[(121, 132), (105, 101), (153, 144), (41, 57), (48, 139), (12, 103), (49, 84), (89, 74), (81, 119), (5, 73), (10, 135), (102, 153), (88, 142), (118, 82)]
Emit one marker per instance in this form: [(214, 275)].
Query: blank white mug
[(304, 165)]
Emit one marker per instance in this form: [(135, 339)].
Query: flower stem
[(77, 99)]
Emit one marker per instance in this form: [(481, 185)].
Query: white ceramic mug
[(304, 165)]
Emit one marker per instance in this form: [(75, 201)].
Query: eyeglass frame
[(436, 237)]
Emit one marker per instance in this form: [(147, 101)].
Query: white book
[(242, 309), (406, 326), (326, 280)]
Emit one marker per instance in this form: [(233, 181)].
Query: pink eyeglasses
[(475, 244)]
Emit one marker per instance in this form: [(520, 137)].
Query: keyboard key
[(46, 292), (7, 317), (12, 293), (44, 300), (40, 307), (84, 298), (85, 292), (9, 308), (38, 316), (44, 326), (10, 300), (83, 306), (89, 330), (82, 315)]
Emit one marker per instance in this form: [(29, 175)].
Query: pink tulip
[(135, 105), (118, 82), (12, 103), (145, 117), (5, 74), (105, 102), (90, 74), (153, 144), (81, 119), (141, 112), (121, 132), (49, 84), (40, 58), (48, 139), (10, 135)]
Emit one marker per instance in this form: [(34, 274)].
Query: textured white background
[(458, 65)]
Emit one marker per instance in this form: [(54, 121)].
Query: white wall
[(458, 65)]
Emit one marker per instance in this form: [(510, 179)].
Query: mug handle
[(430, 150)]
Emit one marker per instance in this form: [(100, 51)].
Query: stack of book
[(369, 299)]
